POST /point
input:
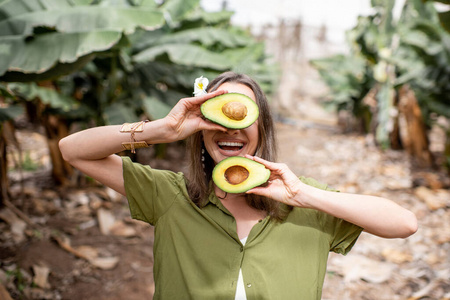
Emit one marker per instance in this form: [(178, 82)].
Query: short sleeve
[(343, 234), (150, 192)]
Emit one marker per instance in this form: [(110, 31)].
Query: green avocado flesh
[(239, 174), (231, 110)]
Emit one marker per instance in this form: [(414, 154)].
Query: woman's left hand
[(283, 185)]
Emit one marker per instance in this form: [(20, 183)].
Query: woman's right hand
[(185, 118)]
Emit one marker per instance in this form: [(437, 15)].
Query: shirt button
[(242, 249), (249, 285)]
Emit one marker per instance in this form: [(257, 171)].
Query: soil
[(65, 226)]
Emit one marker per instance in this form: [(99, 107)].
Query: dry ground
[(82, 244)]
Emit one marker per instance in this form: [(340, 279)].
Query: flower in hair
[(200, 86)]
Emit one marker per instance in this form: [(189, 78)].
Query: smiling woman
[(269, 242)]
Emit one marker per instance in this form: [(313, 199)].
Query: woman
[(269, 243)]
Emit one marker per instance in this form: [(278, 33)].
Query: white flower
[(200, 86)]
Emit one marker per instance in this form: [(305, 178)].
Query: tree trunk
[(55, 130), (7, 138), (413, 132), (3, 167)]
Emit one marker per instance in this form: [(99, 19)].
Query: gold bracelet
[(133, 128)]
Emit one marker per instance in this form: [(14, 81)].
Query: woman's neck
[(245, 215)]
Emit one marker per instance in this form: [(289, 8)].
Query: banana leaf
[(119, 113), (176, 10), (207, 37), (385, 98), (51, 97), (38, 36), (185, 54), (155, 108), (10, 112), (210, 18)]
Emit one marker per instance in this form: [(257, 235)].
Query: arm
[(377, 215), (92, 151)]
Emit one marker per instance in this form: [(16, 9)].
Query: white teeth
[(231, 144)]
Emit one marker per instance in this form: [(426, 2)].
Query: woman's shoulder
[(142, 173)]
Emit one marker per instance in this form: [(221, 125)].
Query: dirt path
[(85, 246), (413, 268)]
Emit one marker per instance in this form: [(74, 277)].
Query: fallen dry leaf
[(121, 229), (41, 276), (105, 263), (18, 226), (4, 295), (434, 199), (106, 220), (397, 256)]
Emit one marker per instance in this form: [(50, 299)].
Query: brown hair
[(199, 177)]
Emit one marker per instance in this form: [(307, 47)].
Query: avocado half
[(238, 174), (231, 110)]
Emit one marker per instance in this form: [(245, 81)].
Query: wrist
[(152, 133), (305, 195)]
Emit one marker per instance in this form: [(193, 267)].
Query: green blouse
[(197, 252)]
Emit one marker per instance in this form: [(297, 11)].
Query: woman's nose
[(232, 131)]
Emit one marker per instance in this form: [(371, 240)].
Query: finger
[(268, 164), (200, 99), (207, 125), (260, 191)]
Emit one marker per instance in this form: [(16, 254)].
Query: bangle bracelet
[(133, 128)]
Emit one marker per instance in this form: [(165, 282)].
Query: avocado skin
[(212, 110), (258, 174)]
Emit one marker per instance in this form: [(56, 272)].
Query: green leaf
[(82, 19), (42, 53), (176, 10), (211, 18), (10, 113), (5, 92), (155, 108), (207, 37), (51, 97), (35, 41), (119, 113), (12, 8), (188, 55), (385, 126)]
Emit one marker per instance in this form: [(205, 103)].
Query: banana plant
[(136, 66), (42, 40), (409, 53)]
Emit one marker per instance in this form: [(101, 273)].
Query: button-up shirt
[(198, 254)]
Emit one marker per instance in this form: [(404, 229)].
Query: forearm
[(101, 142), (378, 216)]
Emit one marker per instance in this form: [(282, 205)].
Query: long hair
[(200, 172)]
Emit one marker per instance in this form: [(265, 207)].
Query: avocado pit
[(236, 174), (235, 110)]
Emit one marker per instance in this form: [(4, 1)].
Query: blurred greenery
[(388, 54), (98, 62)]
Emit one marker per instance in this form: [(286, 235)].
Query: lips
[(230, 148)]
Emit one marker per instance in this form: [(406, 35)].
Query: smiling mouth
[(230, 146)]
